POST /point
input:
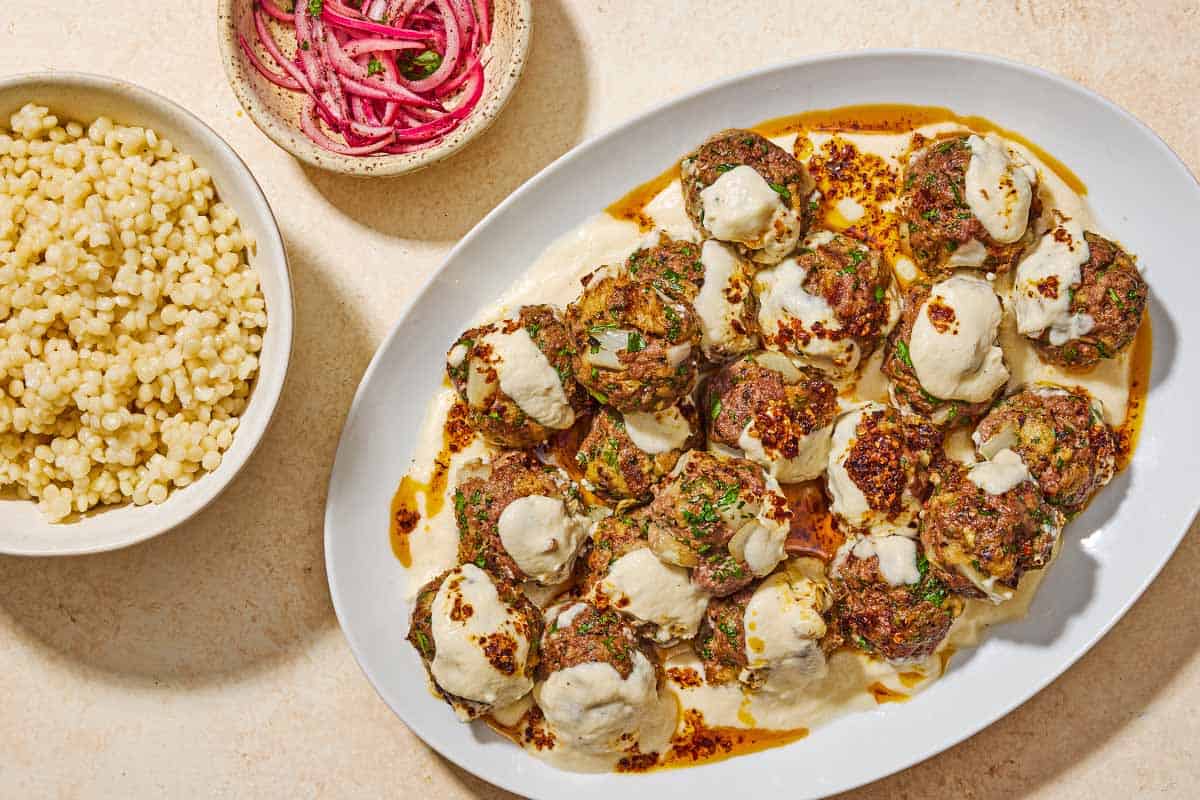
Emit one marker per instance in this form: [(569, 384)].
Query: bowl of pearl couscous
[(145, 314)]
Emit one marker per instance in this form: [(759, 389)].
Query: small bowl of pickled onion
[(373, 87)]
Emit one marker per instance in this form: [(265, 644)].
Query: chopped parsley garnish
[(635, 343), (532, 329), (315, 7), (902, 353), (781, 190), (423, 643), (1112, 294), (673, 318), (422, 65), (374, 66), (725, 167), (931, 215), (715, 410), (672, 278), (879, 294), (856, 257), (729, 630)]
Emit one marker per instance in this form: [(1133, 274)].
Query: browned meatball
[(769, 410), (725, 519), (612, 538), (906, 388), (1061, 436), (526, 621), (901, 623), (580, 633), (726, 151), (936, 224), (1114, 294), (979, 543), (721, 641), (634, 348), (613, 462), (849, 278), (474, 368), (881, 464), (718, 283), (542, 554)]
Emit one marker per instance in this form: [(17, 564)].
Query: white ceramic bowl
[(75, 96), (1138, 189)]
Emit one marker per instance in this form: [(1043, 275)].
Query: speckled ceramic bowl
[(276, 110)]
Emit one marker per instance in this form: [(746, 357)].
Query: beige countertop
[(208, 662)]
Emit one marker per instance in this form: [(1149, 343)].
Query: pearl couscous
[(130, 319)]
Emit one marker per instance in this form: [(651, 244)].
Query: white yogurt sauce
[(542, 537), (1041, 296), (648, 589), (740, 206), (958, 358), (725, 277), (460, 665), (998, 188), (785, 305), (897, 557), (525, 375), (784, 627), (554, 278)]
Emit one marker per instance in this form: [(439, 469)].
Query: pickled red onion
[(345, 61)]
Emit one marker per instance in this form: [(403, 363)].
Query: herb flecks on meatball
[(779, 415), (723, 518), (828, 304), (715, 280), (1112, 294), (478, 637), (624, 455), (943, 358), (967, 201), (899, 622), (635, 348), (986, 525), (741, 188), (520, 519), (516, 377), (1061, 436)]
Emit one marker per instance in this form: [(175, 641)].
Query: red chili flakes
[(941, 316), (501, 652), (686, 677), (1048, 287)]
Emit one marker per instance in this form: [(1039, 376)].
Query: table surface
[(208, 662)]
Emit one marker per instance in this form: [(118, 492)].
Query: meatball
[(520, 519), (986, 525), (1079, 314), (725, 519), (635, 348), (597, 687), (478, 637), (967, 201), (715, 280), (769, 636), (880, 468), (624, 455), (829, 304), (516, 378), (742, 188), (778, 415), (1061, 436), (943, 358), (622, 573), (881, 614)]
